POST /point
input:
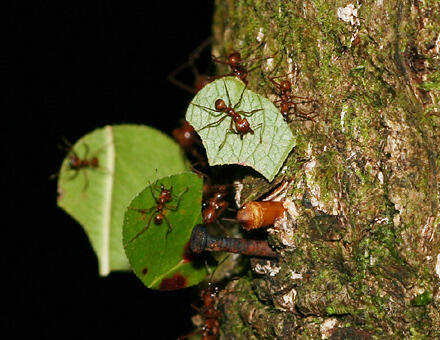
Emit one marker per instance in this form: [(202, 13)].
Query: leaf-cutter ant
[(236, 63), (209, 313), (222, 110), (215, 205), (159, 210), (82, 164), (288, 102)]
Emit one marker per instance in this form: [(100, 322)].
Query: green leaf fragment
[(265, 150), (162, 259), (129, 158)]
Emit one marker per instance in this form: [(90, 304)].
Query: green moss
[(422, 299)]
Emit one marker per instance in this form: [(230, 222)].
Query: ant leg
[(143, 211), (170, 227), (190, 334), (86, 184), (74, 175), (209, 110), (86, 146), (179, 198), (152, 193), (237, 104), (226, 136), (249, 113), (142, 230), (259, 126), (218, 59), (214, 124)]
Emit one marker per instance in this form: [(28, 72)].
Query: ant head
[(234, 59), (286, 85), (202, 81), (220, 105)]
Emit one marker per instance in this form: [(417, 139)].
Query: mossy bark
[(359, 252)]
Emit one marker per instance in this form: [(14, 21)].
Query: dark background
[(71, 67)]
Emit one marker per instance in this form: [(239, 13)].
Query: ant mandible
[(287, 100), (159, 210), (215, 206), (241, 124)]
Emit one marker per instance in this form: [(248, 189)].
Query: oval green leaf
[(159, 253), (129, 157), (265, 150)]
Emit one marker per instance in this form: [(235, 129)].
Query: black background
[(71, 67)]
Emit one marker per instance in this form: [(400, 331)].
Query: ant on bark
[(222, 110), (235, 62), (215, 205), (209, 313), (159, 210), (288, 102)]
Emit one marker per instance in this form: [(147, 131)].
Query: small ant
[(81, 164), (286, 101), (158, 211), (185, 135), (235, 62), (209, 313), (242, 125), (215, 206)]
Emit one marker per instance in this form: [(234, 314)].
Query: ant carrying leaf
[(226, 107), (239, 124), (160, 209)]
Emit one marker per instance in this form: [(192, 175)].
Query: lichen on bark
[(359, 250)]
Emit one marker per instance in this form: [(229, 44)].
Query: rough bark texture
[(360, 247)]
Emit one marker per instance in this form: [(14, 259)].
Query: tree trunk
[(359, 251)]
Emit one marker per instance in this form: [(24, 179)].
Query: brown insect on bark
[(288, 102), (237, 64), (214, 207)]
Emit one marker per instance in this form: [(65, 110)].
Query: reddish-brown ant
[(200, 80), (235, 62), (288, 102), (215, 205), (185, 135), (210, 314), (241, 124), (81, 164), (159, 210)]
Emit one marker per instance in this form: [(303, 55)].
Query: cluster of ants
[(288, 103), (215, 202)]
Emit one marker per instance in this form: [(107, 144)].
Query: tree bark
[(359, 250)]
